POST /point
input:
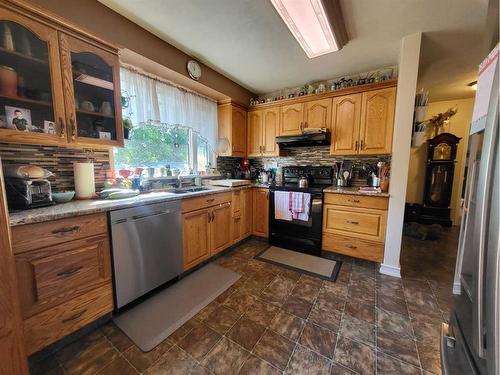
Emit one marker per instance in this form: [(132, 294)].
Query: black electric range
[(300, 235)]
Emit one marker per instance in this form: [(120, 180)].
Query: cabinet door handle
[(354, 200), (213, 216), (66, 230), (349, 246), (62, 129), (352, 222), (210, 200), (75, 316), (356, 146), (209, 217), (73, 129), (69, 272), (362, 145)]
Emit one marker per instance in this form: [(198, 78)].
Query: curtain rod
[(140, 71)]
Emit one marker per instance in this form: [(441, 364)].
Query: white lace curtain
[(152, 100)]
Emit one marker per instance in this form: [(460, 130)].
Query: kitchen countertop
[(85, 207), (353, 191)]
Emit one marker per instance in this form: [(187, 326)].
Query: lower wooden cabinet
[(355, 225), (260, 212), (220, 235), (247, 213), (50, 325), (64, 279), (196, 240), (206, 231)]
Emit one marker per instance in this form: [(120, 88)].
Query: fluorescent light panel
[(308, 23)]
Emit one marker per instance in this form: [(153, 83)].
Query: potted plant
[(127, 127)]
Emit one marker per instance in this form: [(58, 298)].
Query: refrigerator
[(470, 343)]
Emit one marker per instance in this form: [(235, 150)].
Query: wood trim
[(12, 351), (328, 94)]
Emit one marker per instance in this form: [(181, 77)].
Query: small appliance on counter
[(27, 187)]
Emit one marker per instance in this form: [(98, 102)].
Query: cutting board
[(230, 182)]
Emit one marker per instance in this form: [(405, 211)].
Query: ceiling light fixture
[(473, 85), (317, 25)]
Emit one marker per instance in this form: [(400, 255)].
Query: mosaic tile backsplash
[(58, 160), (304, 156)]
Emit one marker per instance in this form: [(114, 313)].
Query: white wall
[(409, 55), (459, 125)]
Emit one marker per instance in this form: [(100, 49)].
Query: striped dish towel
[(296, 202)]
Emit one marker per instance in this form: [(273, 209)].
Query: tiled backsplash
[(58, 160), (307, 156)]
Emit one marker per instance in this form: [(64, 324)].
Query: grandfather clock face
[(442, 152)]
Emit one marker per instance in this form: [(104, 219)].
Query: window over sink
[(171, 125), (159, 145)]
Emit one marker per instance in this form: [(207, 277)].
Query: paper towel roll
[(84, 180)]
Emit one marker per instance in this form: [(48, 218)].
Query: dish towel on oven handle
[(296, 202), (299, 205), (281, 206)]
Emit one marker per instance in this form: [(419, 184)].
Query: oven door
[(298, 235)]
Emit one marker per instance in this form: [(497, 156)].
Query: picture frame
[(19, 119), (49, 127)]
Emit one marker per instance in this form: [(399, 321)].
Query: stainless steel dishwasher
[(147, 248)]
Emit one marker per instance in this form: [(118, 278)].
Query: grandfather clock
[(441, 155)]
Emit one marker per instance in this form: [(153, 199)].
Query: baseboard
[(457, 289), (390, 270)]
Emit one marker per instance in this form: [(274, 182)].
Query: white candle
[(84, 180)]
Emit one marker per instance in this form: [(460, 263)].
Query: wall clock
[(194, 69)]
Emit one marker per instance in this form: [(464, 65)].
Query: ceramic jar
[(8, 81)]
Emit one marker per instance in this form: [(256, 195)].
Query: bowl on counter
[(63, 196)]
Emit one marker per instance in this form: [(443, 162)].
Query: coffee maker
[(25, 193)]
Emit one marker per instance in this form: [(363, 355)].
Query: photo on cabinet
[(19, 118)]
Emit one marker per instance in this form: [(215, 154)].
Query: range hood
[(307, 139)]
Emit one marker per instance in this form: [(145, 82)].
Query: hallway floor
[(276, 321)]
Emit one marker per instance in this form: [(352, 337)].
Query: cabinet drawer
[(360, 222), (197, 203), (55, 274), (354, 247), (380, 203), (35, 236), (49, 326)]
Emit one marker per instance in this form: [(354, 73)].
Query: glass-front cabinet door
[(31, 98), (92, 93)]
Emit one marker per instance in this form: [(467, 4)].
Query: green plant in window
[(155, 145)]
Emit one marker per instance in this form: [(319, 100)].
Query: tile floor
[(276, 321)]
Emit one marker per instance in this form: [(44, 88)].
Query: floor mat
[(153, 320), (309, 264)]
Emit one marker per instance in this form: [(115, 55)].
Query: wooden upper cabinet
[(255, 120), (239, 136), (345, 124), (91, 79), (270, 129), (292, 119), (31, 96), (377, 121), (232, 124), (318, 113)]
